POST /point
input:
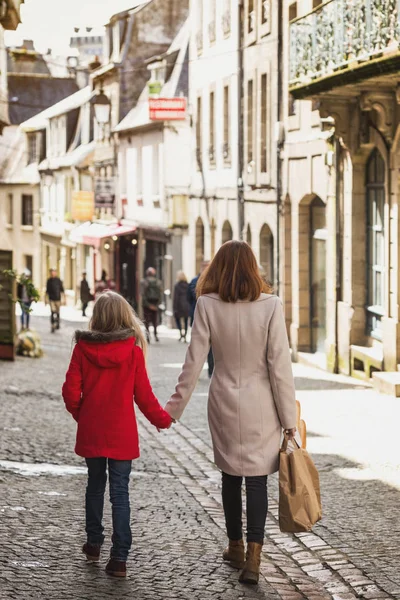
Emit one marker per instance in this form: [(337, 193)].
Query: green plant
[(31, 291)]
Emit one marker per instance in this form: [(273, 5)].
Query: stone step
[(387, 383)]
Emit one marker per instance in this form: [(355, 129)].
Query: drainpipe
[(240, 186), (279, 145), (338, 247)]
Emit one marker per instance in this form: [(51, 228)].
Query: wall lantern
[(102, 107)]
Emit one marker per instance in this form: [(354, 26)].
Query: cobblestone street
[(177, 520)]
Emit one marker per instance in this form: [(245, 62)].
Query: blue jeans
[(25, 314), (119, 471)]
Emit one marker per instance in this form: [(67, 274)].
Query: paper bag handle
[(286, 441)]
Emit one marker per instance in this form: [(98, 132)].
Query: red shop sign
[(167, 109)]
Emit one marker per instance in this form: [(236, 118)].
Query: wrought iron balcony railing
[(339, 34)]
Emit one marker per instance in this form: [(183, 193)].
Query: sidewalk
[(177, 516)]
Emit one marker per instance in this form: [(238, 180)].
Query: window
[(250, 120), (227, 233), (10, 209), (199, 34), (226, 148), (265, 12), (292, 11), (199, 141), (292, 106), (212, 33), (267, 253), (251, 19), (376, 242), (226, 18), (199, 244), (264, 124), (27, 209), (28, 259), (248, 235), (32, 148), (212, 128), (316, 3)]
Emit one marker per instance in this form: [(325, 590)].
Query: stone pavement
[(177, 518)]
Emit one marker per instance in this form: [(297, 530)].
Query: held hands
[(169, 426)]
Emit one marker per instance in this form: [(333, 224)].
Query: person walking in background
[(107, 372), (23, 298), (252, 394), (84, 294), (152, 294), (54, 295), (192, 298), (181, 306)]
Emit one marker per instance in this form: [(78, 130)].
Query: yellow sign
[(82, 206)]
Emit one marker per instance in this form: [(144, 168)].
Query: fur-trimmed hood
[(99, 337), (106, 350)]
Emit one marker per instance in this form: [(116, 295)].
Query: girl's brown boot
[(234, 554), (251, 570)]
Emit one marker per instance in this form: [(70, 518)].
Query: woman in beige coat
[(251, 396)]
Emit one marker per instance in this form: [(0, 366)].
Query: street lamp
[(102, 107)]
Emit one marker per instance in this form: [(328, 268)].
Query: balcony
[(343, 41)]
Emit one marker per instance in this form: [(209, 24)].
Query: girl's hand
[(169, 426), (290, 433)]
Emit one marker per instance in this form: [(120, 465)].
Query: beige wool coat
[(252, 395)]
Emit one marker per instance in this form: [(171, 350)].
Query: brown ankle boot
[(234, 554), (251, 570)]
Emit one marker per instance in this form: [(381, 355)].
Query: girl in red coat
[(107, 371)]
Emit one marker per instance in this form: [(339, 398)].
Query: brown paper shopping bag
[(299, 491)]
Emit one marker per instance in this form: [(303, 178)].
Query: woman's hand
[(291, 432)]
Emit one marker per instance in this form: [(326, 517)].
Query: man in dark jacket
[(54, 295), (85, 294), (152, 295), (192, 298)]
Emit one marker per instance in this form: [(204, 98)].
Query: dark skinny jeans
[(119, 471), (257, 506)]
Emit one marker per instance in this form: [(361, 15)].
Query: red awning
[(91, 233)]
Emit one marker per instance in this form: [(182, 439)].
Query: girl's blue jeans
[(119, 471)]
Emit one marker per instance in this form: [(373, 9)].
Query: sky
[(50, 23)]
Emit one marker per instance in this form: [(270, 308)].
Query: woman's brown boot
[(251, 570), (234, 554)]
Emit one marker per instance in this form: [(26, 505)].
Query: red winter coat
[(107, 371)]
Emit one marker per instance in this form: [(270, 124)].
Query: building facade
[(154, 173), (348, 217), (30, 89), (213, 102)]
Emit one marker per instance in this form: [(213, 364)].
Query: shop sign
[(104, 192), (82, 206), (167, 109)]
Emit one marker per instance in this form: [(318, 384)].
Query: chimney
[(28, 45)]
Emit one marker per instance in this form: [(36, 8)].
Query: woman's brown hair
[(233, 274)]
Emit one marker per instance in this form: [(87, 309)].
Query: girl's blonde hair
[(180, 276), (112, 313)]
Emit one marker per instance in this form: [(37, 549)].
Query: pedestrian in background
[(54, 295), (181, 306), (192, 297), (152, 294), (252, 395), (24, 299), (85, 294), (107, 371)]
